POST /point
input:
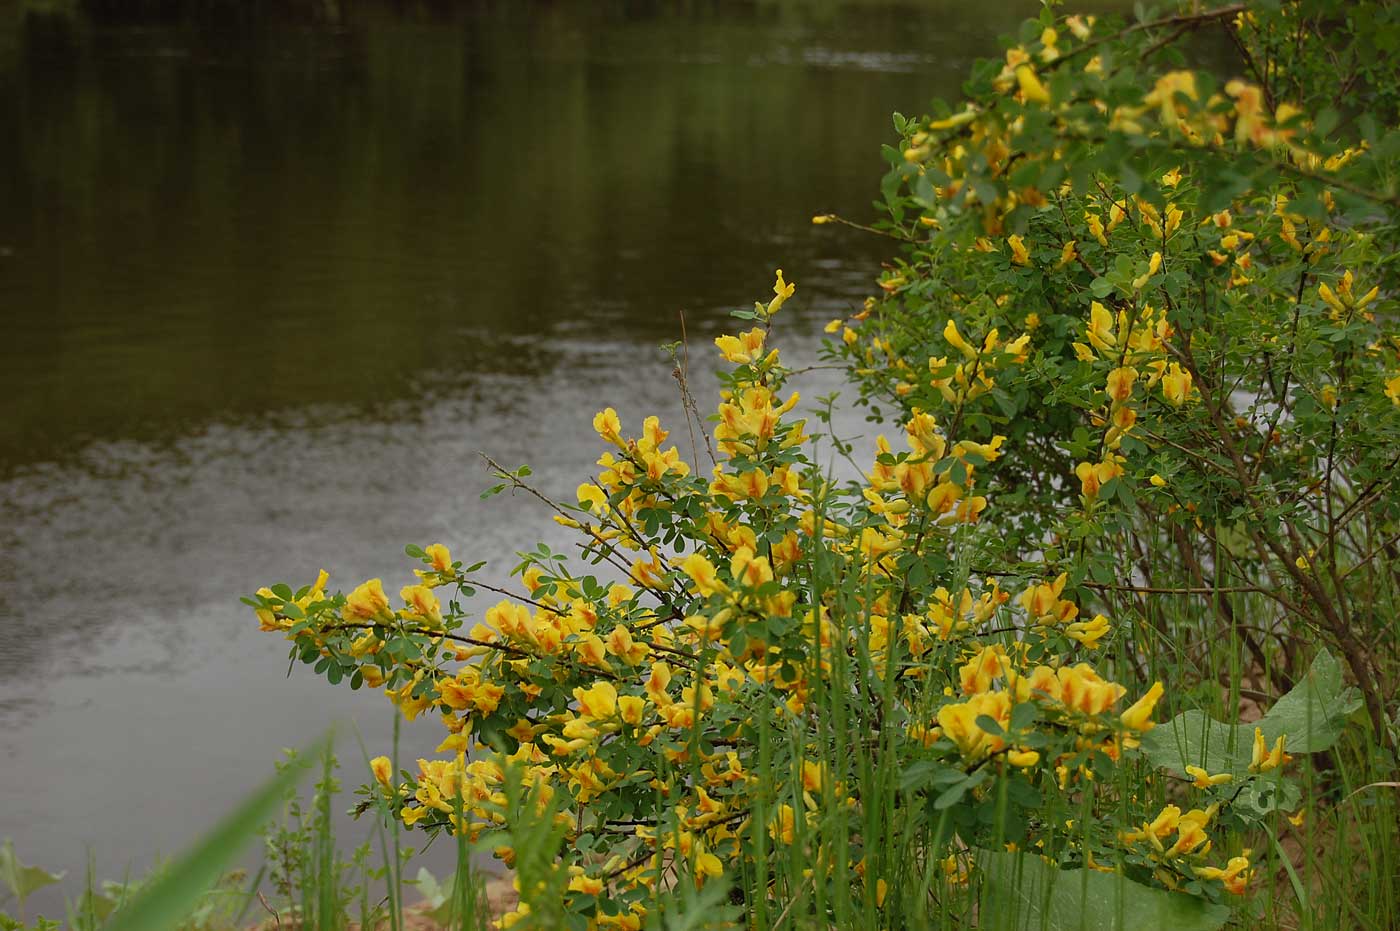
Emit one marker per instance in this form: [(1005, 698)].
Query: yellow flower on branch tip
[(382, 769), (822, 218), (1204, 780), (783, 291), (1138, 716), (1157, 481), (440, 557), (608, 426), (1032, 91)]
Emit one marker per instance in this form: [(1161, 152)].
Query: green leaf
[(165, 903), (22, 880), (1021, 892), (1312, 716)]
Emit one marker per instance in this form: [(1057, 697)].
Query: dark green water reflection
[(201, 225)]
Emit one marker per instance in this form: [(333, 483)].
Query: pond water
[(268, 288)]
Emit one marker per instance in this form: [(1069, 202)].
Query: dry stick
[(1194, 590), (681, 374), (271, 911), (1188, 19)]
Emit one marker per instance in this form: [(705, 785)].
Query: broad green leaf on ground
[(1312, 715), (164, 903), (1021, 892), (21, 880)]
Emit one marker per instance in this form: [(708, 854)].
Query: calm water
[(266, 291)]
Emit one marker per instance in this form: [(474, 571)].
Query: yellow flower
[(1235, 876), (959, 723), (702, 573), (1176, 384), (598, 702), (1019, 255), (1138, 716), (1204, 780), (440, 556), (1263, 759), (588, 885), (1067, 254), (1088, 633), (1032, 91), (382, 769), (368, 602), (1154, 265), (423, 602), (608, 426), (1100, 330), (742, 349), (781, 827), (956, 340), (1023, 758), (591, 650), (1120, 383), (954, 121), (1096, 228), (1392, 389), (631, 708), (1157, 481), (783, 291)]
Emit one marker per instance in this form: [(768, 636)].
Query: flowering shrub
[(1209, 390), (1135, 348)]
